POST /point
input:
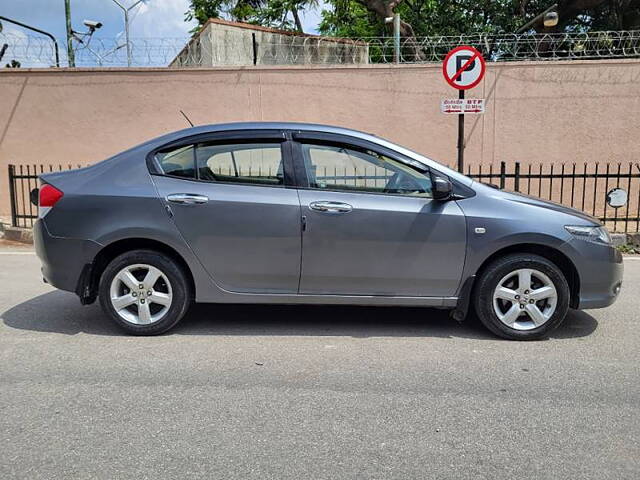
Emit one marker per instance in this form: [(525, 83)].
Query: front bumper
[(63, 259), (600, 269)]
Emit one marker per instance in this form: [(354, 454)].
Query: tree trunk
[(384, 9), (296, 18)]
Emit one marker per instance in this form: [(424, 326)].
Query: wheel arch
[(90, 278), (552, 254)]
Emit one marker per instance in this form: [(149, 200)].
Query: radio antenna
[(187, 118)]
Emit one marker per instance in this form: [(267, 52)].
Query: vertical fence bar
[(540, 181), (29, 196), (22, 194), (503, 168), (573, 182), (516, 179), (562, 177), (12, 194), (626, 216), (606, 189), (615, 218), (584, 185), (551, 183), (595, 189), (638, 202), (529, 180)]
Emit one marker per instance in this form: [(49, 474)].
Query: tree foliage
[(283, 14), (365, 18)]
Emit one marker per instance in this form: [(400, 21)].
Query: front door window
[(339, 168)]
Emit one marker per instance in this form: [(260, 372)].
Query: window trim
[(337, 139), (230, 138)]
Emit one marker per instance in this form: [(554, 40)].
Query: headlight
[(590, 234)]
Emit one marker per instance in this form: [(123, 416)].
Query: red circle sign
[(463, 67)]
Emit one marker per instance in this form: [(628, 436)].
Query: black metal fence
[(22, 180), (582, 186)]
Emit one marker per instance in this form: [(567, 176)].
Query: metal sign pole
[(463, 68), (461, 136)]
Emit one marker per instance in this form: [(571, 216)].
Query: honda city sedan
[(289, 213)]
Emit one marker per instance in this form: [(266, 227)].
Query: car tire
[(144, 292), (536, 309)]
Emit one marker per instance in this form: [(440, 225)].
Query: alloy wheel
[(141, 294), (525, 299)]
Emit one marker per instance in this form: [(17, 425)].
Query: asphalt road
[(319, 393)]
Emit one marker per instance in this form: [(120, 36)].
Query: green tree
[(454, 17), (366, 18), (284, 14)]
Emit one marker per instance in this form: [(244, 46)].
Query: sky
[(151, 19)]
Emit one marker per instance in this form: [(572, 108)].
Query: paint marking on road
[(17, 253)]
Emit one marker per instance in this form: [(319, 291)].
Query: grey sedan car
[(312, 214)]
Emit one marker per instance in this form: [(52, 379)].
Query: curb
[(15, 234)]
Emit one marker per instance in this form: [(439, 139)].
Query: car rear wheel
[(144, 292), (522, 297)]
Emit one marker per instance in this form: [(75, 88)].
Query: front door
[(231, 203), (372, 228)]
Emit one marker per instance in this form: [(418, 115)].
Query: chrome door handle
[(330, 207), (187, 198)]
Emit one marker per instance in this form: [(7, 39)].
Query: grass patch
[(629, 249)]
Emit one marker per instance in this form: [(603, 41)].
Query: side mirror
[(442, 188)]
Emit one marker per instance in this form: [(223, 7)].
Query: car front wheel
[(522, 297), (144, 292)]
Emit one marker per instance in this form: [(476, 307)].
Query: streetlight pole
[(53, 39), (126, 26)]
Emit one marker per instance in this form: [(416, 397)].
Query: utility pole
[(70, 54)]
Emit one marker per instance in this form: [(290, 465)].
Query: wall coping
[(266, 68)]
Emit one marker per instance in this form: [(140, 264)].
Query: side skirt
[(300, 299)]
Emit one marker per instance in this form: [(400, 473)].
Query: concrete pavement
[(300, 392)]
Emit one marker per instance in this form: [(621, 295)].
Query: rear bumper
[(600, 269), (63, 259)]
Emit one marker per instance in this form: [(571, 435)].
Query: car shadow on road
[(60, 312)]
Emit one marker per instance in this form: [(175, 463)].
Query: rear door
[(233, 200), (371, 225)]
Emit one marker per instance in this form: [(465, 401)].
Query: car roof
[(316, 127)]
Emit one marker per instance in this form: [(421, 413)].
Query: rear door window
[(178, 162), (246, 163)]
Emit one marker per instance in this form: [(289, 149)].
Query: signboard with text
[(463, 68), (462, 105)]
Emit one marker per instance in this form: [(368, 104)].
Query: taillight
[(49, 195)]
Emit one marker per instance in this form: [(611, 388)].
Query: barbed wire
[(34, 51)]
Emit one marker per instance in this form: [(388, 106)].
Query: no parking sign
[(463, 67)]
